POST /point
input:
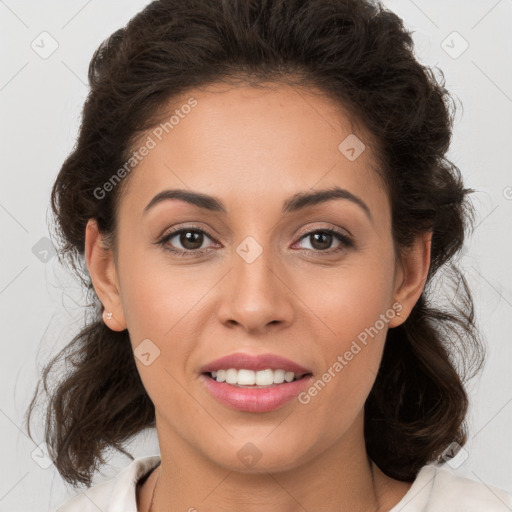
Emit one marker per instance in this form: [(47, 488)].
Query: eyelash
[(346, 242)]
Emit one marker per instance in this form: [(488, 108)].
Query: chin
[(259, 453)]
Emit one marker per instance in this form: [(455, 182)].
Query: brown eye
[(185, 241), (321, 240), (190, 240)]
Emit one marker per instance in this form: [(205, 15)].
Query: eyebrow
[(295, 203)]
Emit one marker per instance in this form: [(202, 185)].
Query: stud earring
[(109, 316)]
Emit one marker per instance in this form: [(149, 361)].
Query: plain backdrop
[(45, 52)]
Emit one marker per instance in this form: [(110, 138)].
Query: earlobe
[(410, 282), (111, 322), (102, 269)]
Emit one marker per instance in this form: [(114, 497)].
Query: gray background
[(41, 96)]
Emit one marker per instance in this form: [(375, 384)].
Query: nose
[(256, 294)]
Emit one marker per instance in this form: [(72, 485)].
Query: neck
[(341, 479)]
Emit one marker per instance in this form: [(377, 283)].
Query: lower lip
[(255, 399)]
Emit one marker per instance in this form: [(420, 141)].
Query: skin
[(252, 149)]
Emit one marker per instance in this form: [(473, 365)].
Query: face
[(314, 283)]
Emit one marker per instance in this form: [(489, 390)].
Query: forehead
[(254, 144)]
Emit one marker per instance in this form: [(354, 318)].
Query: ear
[(101, 266), (411, 275)]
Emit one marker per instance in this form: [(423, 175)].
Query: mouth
[(251, 379), (255, 383), (254, 391)]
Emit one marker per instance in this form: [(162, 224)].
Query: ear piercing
[(109, 316)]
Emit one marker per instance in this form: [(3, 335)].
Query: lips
[(256, 363), (255, 398)]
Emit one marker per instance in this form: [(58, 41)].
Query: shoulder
[(439, 489), (114, 494)]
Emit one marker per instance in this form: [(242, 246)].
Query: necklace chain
[(154, 489)]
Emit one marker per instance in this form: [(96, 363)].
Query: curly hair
[(357, 53)]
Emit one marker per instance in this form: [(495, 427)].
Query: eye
[(322, 239), (190, 238)]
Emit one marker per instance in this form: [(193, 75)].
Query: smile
[(244, 377)]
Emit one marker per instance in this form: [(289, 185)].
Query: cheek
[(349, 298), (162, 303), (158, 305), (354, 306), (352, 359), (156, 296)]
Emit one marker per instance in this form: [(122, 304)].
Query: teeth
[(251, 378)]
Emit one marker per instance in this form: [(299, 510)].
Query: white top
[(435, 489)]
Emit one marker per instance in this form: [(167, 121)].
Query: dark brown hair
[(360, 55)]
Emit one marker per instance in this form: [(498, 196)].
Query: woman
[(258, 202)]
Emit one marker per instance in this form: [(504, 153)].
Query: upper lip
[(253, 362)]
